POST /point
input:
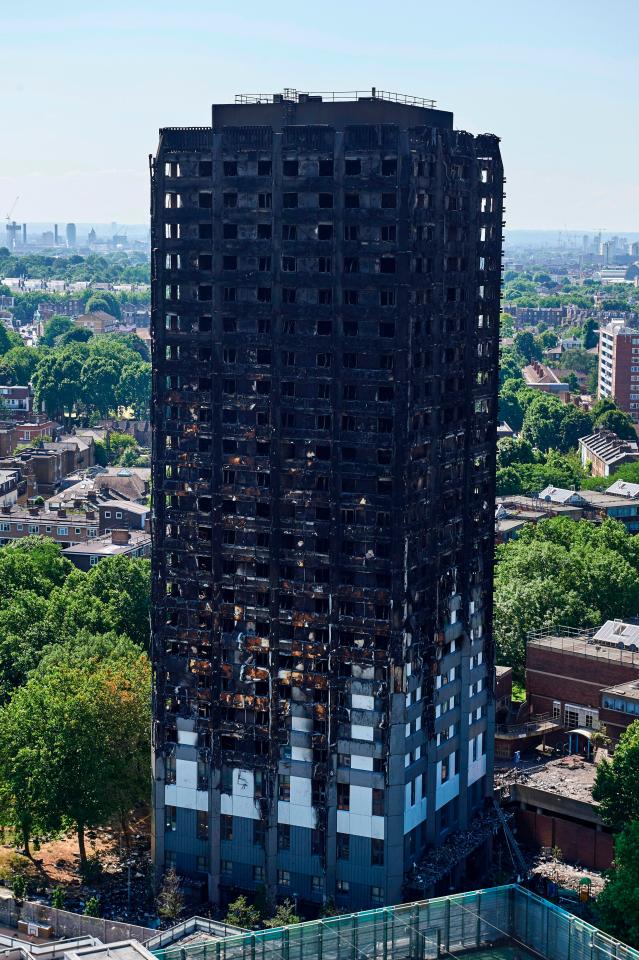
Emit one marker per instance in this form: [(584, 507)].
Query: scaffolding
[(507, 916)]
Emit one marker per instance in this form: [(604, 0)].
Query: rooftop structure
[(326, 279), (606, 452), (541, 377), (554, 807), (622, 488), (131, 543)]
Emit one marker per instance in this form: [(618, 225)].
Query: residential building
[(619, 366), (16, 401), (122, 515), (544, 379), (128, 543), (592, 504), (606, 452), (66, 527), (97, 322), (325, 337)]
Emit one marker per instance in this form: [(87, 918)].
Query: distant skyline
[(85, 89)]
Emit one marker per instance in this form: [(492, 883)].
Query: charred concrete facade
[(326, 279)]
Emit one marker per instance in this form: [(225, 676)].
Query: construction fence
[(70, 925)]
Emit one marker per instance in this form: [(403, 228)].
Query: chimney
[(90, 514), (120, 536), (62, 512)]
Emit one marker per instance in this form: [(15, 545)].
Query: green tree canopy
[(54, 328), (619, 422), (104, 301), (74, 744), (526, 345), (590, 333), (617, 908), (562, 572), (617, 781)]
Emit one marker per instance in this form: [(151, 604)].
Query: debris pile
[(457, 847)]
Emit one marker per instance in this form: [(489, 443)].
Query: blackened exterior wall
[(325, 340)]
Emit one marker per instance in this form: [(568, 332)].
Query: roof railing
[(335, 96)]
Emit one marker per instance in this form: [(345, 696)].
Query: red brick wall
[(578, 842), (570, 678)]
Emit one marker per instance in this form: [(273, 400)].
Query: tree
[(619, 422), (542, 422), (589, 333), (76, 335), (562, 572), (18, 364), (170, 900), (526, 345), (616, 786), (74, 743), (104, 301), (98, 379), (617, 907), (510, 407), (56, 379), (511, 451), (92, 907), (284, 915), (55, 327), (8, 339), (548, 339), (243, 914), (134, 388), (576, 423)]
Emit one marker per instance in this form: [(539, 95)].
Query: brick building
[(568, 671), (118, 543), (619, 366), (326, 280), (605, 452)]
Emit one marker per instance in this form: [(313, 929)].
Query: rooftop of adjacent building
[(536, 374), (629, 690), (607, 446), (112, 544), (615, 640)]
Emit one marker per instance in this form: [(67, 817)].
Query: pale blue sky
[(85, 86)]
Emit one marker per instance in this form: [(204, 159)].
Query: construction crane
[(11, 209)]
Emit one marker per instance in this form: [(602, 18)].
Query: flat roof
[(581, 646), (105, 547), (570, 776), (628, 689)]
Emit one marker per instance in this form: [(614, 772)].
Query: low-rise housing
[(606, 452), (66, 527), (16, 401), (540, 377), (98, 322), (130, 543), (122, 515)]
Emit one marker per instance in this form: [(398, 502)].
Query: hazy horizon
[(86, 89)]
